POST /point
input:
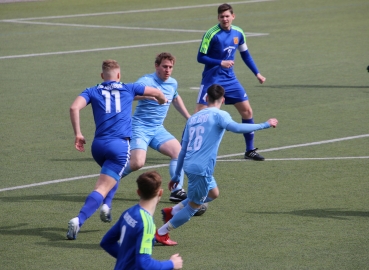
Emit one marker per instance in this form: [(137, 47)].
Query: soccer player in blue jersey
[(201, 138), (148, 129), (217, 52), (111, 103), (130, 240)]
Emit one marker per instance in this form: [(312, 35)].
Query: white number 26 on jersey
[(195, 136)]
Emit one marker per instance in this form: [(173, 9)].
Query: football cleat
[(73, 228), (178, 195), (164, 239), (167, 214), (105, 213), (252, 154)]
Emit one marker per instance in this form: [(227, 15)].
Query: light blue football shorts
[(144, 136), (199, 186), (112, 156)]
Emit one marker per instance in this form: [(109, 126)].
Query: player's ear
[(102, 75), (118, 76), (160, 193), (139, 192)]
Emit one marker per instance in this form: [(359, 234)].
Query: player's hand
[(273, 122), (261, 78), (227, 63), (79, 143), (177, 261), (172, 184)]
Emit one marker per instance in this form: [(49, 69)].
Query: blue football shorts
[(234, 93), (112, 156), (144, 136), (199, 186)]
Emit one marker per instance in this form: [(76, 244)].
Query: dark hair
[(164, 55), (149, 184), (215, 92), (224, 7)]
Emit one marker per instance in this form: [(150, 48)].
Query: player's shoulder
[(212, 31), (146, 79), (237, 29)]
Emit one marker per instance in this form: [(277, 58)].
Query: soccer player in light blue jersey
[(148, 129), (111, 103), (201, 138), (130, 240), (217, 52)]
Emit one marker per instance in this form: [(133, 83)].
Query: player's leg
[(92, 203), (115, 154), (245, 111), (236, 95), (136, 160), (201, 98), (198, 189), (168, 145)]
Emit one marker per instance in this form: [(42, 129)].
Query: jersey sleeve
[(145, 238), (224, 118), (138, 89), (86, 95), (206, 39)]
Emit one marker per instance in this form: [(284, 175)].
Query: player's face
[(164, 70), (225, 19)]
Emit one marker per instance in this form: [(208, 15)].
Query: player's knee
[(136, 165)]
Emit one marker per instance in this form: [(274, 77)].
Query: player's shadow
[(62, 197), (334, 213), (55, 236), (73, 159), (67, 197)]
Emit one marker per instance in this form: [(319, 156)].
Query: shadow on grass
[(55, 236), (73, 159), (321, 213), (67, 197)]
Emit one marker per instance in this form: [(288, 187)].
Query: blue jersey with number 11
[(112, 107)]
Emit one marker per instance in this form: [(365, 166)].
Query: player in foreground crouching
[(130, 240), (201, 138), (111, 103)]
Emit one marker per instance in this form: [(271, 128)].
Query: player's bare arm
[(78, 104), (160, 97), (261, 78), (180, 107), (273, 122)]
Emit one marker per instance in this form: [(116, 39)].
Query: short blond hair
[(109, 67)]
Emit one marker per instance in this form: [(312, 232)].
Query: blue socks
[(249, 137), (172, 171), (109, 197), (92, 203)]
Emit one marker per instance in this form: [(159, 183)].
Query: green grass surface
[(293, 211)]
